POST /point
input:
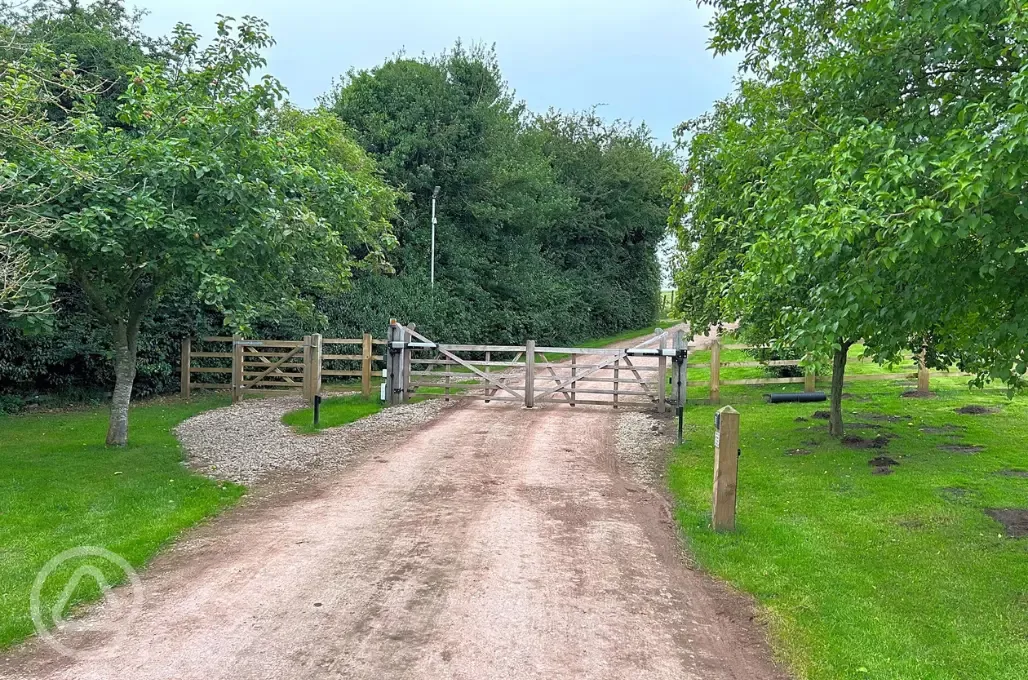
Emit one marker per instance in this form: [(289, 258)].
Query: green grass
[(335, 411), (62, 488), (862, 576)]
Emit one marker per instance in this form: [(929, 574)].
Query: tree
[(874, 152), (207, 184)]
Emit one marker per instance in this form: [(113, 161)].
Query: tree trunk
[(835, 426), (125, 334)]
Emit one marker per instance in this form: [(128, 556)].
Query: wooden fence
[(809, 379), (276, 366)]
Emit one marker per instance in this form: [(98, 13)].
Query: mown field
[(61, 488), (876, 559)]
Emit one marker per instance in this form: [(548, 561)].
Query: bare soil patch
[(800, 419), (857, 442), (885, 418), (1013, 473), (821, 415), (1014, 520), (955, 493), (976, 410), (882, 465), (914, 394), (966, 449)]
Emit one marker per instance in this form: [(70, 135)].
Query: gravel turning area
[(248, 442)]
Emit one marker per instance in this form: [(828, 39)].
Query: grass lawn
[(900, 576), (335, 411), (62, 488)]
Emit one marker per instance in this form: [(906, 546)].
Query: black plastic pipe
[(787, 397)]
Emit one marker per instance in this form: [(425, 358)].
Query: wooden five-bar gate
[(630, 377)]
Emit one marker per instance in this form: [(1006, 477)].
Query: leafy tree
[(548, 225), (207, 185), (866, 182)]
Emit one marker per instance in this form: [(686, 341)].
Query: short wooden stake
[(529, 373), (366, 366), (485, 370), (184, 375), (715, 372), (726, 468)]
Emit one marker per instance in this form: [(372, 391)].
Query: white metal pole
[(433, 243)]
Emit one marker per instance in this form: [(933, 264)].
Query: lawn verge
[(62, 489), (866, 568)]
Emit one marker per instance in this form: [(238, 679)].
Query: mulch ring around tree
[(882, 465), (976, 410), (966, 449), (914, 394), (1014, 520)]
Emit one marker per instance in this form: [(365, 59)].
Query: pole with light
[(435, 195)]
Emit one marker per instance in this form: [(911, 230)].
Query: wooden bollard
[(726, 468)]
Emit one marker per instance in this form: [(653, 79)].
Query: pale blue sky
[(644, 60)]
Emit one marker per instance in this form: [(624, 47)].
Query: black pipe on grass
[(789, 397)]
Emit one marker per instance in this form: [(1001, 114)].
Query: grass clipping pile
[(248, 442)]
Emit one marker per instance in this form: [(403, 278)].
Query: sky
[(639, 60)]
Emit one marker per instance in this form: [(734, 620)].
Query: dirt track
[(498, 542)]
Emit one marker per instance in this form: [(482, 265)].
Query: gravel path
[(248, 442)]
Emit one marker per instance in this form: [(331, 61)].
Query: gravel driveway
[(492, 541)]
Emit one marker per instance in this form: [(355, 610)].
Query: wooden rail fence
[(276, 366), (809, 379)]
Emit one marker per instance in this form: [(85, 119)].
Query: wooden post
[(529, 373), (315, 365), (662, 378), (392, 370), (809, 380), (574, 372), (184, 375), (923, 375), (677, 370), (366, 366), (487, 360), (617, 363), (726, 468), (308, 369), (715, 372), (237, 370), (406, 360)]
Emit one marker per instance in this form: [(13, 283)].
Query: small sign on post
[(726, 468)]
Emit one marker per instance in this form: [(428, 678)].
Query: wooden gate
[(630, 377)]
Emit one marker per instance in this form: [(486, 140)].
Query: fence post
[(308, 368), (405, 371), (923, 375), (391, 361), (315, 365), (366, 366), (574, 372), (488, 358), (662, 377), (809, 380), (726, 468), (184, 376), (529, 373), (237, 370), (715, 371)]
